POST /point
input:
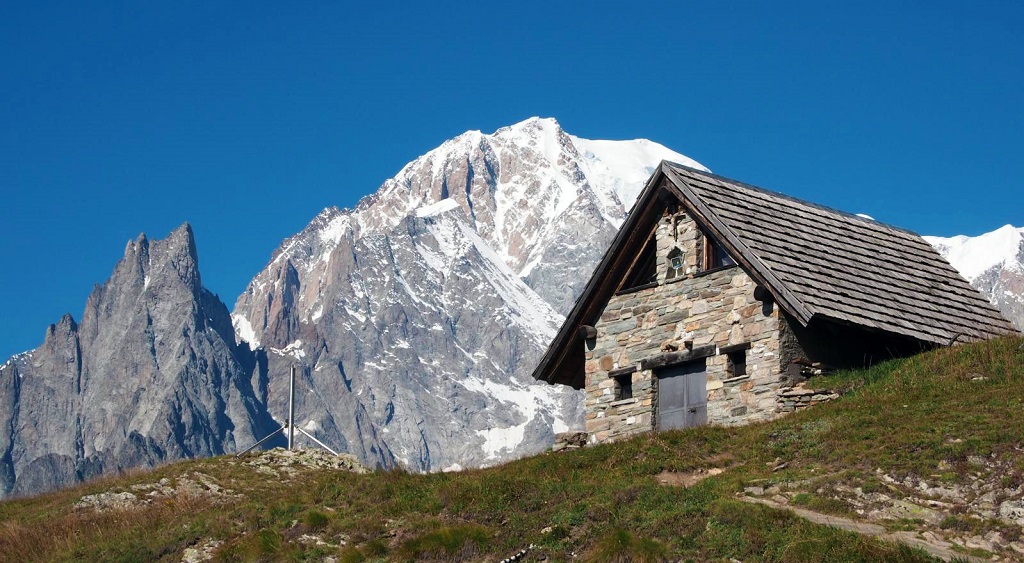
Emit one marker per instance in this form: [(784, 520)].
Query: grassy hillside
[(930, 445)]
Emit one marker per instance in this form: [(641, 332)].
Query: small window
[(736, 363), (715, 255), (624, 386)]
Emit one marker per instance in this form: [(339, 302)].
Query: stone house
[(717, 297)]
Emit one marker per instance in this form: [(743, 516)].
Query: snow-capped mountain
[(417, 316), (993, 263)]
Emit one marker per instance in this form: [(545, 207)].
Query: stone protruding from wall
[(799, 397), (691, 310), (807, 370), (569, 441)]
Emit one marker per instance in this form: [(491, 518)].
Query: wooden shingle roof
[(817, 263), (845, 267)]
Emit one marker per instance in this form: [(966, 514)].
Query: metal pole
[(257, 444), (291, 409), (289, 424), (322, 445)]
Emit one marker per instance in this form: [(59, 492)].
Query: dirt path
[(938, 548)]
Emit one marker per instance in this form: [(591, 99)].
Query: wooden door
[(682, 396)]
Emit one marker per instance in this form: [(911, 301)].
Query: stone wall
[(688, 309), (799, 397)]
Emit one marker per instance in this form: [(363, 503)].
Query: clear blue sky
[(247, 120)]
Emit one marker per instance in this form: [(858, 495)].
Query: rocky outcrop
[(278, 461), (152, 373), (982, 513)]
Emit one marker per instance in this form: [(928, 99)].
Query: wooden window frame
[(713, 253)]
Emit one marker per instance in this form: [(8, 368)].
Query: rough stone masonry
[(691, 312)]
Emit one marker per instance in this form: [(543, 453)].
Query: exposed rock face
[(994, 264), (420, 359), (1005, 289), (417, 317), (152, 373), (414, 321)]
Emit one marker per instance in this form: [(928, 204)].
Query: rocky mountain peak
[(138, 246), (543, 135), (424, 307), (176, 256), (65, 325), (973, 256), (152, 374), (993, 263)]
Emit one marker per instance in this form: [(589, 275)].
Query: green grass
[(907, 417), (459, 543), (910, 415), (621, 545)]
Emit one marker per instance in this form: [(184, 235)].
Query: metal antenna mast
[(289, 424), (291, 409)]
